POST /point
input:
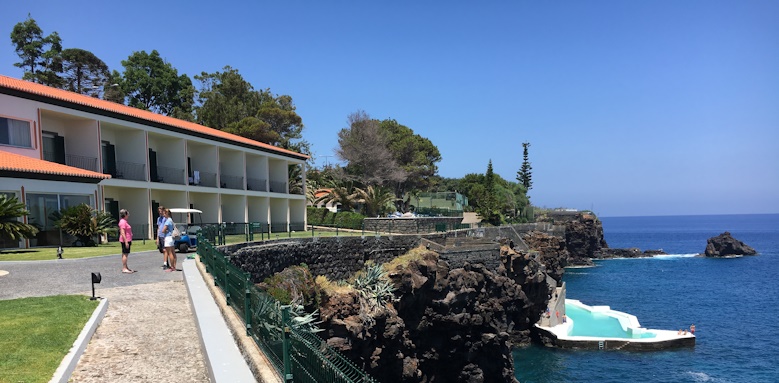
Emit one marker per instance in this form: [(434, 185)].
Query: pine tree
[(524, 175)]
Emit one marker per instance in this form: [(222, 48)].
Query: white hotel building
[(59, 149)]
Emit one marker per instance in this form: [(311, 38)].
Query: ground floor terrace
[(275, 212)]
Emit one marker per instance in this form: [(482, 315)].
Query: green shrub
[(342, 219), (293, 284)]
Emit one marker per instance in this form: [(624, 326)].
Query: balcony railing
[(170, 175), (256, 184), (130, 171), (278, 187), (81, 162), (231, 182), (48, 155), (204, 179)]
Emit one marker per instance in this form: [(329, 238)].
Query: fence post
[(285, 344), (226, 286), (247, 316)]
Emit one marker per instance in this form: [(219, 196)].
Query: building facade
[(59, 149)]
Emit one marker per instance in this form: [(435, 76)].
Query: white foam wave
[(672, 256), (699, 376), (703, 377)]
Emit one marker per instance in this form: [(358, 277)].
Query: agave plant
[(10, 226), (374, 286), (266, 312)]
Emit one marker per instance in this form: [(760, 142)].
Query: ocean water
[(734, 304)]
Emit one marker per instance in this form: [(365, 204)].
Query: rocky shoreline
[(457, 307)]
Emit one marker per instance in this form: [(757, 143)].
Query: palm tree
[(84, 223), (10, 226), (375, 200), (338, 193)]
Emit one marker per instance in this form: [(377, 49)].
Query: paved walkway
[(149, 332), (73, 276)]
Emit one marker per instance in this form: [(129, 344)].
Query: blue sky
[(631, 107)]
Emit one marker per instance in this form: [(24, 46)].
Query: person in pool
[(692, 329)]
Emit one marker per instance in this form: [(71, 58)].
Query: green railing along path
[(298, 354)]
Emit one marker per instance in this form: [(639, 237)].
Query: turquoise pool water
[(596, 324)]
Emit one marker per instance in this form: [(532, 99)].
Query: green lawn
[(37, 333), (40, 253)]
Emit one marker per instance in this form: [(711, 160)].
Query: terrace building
[(59, 149)]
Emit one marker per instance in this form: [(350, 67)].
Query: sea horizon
[(684, 215)]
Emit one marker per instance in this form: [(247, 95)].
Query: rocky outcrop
[(632, 252), (550, 251), (443, 326), (724, 245), (584, 239)]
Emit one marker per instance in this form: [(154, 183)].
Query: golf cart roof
[(183, 210)]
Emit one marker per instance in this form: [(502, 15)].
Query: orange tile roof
[(84, 100), (19, 163)]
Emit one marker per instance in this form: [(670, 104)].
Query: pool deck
[(557, 336)]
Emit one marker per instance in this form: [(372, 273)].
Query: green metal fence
[(298, 354)]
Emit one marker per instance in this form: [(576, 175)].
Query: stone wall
[(337, 258), (485, 254), (411, 225)]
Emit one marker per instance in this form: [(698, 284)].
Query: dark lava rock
[(584, 237), (632, 252), (443, 325), (724, 245)]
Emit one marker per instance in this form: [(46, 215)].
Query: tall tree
[(225, 98), (228, 102), (415, 154), (83, 72), (524, 175), (489, 208), (112, 91), (40, 56), (364, 148), (153, 84)]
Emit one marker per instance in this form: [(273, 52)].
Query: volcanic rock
[(724, 245)]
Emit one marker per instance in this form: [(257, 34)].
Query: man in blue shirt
[(160, 236)]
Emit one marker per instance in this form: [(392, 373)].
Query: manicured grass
[(40, 253), (37, 333)]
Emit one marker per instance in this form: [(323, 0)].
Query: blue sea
[(734, 304)]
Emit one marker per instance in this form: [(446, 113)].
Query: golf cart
[(188, 230)]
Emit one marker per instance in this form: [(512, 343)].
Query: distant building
[(59, 149)]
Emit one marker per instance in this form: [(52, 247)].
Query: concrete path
[(73, 276), (149, 333)]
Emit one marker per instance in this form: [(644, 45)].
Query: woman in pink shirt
[(125, 238)]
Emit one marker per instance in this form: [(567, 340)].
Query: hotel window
[(15, 132)]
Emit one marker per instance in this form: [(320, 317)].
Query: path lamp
[(96, 278)]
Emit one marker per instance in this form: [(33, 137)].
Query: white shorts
[(169, 241)]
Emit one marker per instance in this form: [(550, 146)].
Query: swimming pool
[(602, 322)]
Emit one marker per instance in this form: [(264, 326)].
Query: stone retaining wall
[(411, 225), (336, 258)]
